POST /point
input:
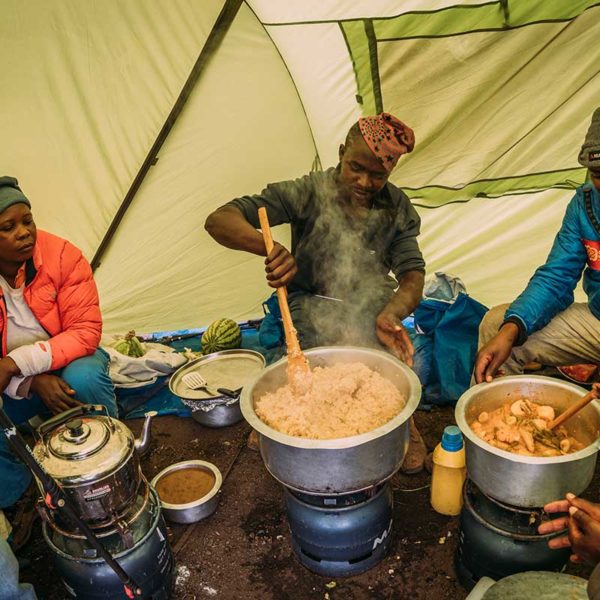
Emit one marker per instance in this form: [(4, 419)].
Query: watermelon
[(223, 334)]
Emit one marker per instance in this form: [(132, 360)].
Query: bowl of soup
[(188, 490)]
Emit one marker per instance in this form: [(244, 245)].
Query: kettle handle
[(67, 415)]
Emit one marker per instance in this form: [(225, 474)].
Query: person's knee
[(490, 324), (89, 377)]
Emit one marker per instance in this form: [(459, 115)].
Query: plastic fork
[(195, 381)]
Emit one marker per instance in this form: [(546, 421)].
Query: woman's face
[(17, 233)]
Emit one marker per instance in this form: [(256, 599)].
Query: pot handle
[(67, 415)]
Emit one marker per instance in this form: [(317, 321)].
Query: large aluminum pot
[(339, 465), (529, 481)]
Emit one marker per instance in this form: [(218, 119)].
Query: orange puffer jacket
[(61, 293)]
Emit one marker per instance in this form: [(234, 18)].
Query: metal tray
[(230, 369)]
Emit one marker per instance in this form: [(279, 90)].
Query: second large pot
[(339, 465), (528, 481)]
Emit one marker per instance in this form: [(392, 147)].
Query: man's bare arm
[(408, 294), (228, 226)]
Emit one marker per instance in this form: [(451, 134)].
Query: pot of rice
[(350, 433)]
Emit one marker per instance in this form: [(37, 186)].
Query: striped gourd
[(223, 334)]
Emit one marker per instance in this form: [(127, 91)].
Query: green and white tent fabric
[(128, 121)]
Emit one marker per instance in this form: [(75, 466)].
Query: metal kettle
[(95, 459)]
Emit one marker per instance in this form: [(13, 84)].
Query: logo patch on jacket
[(592, 247)]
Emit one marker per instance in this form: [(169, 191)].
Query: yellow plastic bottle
[(449, 472)]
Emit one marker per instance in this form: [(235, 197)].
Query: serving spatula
[(195, 381)]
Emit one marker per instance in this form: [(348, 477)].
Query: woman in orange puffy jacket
[(50, 327)]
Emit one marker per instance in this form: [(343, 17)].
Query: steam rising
[(342, 256)]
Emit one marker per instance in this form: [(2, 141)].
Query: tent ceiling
[(178, 276), (498, 103)]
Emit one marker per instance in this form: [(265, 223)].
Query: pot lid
[(85, 449), (231, 369)]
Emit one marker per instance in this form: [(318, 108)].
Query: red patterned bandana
[(387, 137)]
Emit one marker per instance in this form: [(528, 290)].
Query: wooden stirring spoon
[(593, 394), (299, 374)]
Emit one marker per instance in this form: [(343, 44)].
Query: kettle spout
[(142, 444)]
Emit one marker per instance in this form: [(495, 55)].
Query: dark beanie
[(10, 193), (590, 151)]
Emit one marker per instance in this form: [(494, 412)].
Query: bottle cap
[(452, 439)]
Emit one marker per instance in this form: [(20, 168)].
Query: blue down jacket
[(576, 249)]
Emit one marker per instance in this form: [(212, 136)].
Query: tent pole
[(218, 32)]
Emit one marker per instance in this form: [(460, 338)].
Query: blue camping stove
[(340, 535)]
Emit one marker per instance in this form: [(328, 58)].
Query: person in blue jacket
[(544, 324)]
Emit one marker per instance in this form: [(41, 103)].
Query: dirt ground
[(243, 550)]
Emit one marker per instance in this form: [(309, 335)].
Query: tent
[(128, 121)]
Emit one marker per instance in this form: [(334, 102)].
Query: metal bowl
[(529, 481), (231, 369), (198, 509), (342, 465), (222, 414)]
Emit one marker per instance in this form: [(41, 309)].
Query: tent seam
[(374, 64), (358, 19), (483, 30), (493, 179), (223, 21), (489, 197)]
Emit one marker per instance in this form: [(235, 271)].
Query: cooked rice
[(345, 399)]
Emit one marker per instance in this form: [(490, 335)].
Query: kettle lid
[(85, 449), (78, 439)]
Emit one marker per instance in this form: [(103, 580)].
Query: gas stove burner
[(505, 505), (340, 535), (338, 501), (497, 540), (523, 521)]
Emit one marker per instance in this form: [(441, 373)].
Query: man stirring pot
[(351, 228)]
